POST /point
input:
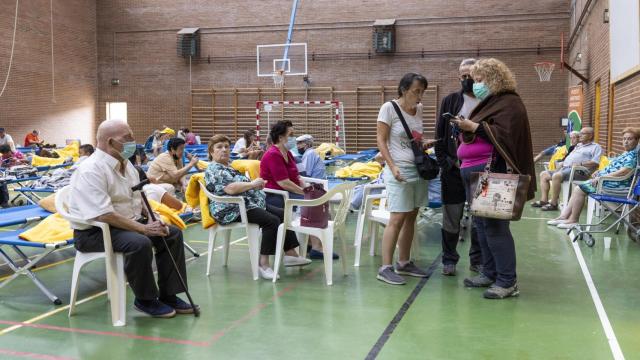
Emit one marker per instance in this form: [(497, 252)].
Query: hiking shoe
[(387, 275), (410, 269), (154, 308), (179, 305), (449, 270), (497, 292), (476, 268), (478, 281)]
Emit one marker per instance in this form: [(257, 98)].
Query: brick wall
[(29, 100), (156, 83), (592, 41), (626, 111)]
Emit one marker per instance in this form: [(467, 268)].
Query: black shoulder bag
[(427, 167)]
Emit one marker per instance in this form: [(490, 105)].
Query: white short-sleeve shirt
[(240, 144), (398, 143), (98, 188), (8, 140)]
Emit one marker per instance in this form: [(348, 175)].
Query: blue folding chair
[(613, 204)]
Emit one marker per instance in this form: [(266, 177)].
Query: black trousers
[(4, 194), (452, 215), (269, 220), (138, 257)]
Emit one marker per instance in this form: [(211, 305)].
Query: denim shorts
[(408, 195)]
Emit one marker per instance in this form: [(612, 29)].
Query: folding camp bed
[(31, 194), (20, 183), (22, 215), (12, 240)]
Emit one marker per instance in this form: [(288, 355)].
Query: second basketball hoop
[(544, 70)]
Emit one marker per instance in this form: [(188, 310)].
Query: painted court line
[(386, 334), (19, 325), (602, 314), (32, 355)]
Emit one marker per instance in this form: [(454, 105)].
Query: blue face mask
[(291, 143), (481, 90), (128, 149)]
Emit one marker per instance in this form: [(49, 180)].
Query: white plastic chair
[(365, 217), (254, 234), (114, 263), (326, 235), (568, 185), (376, 218)]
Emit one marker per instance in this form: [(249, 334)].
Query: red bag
[(314, 216)]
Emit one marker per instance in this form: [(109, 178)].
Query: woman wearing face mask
[(168, 168), (406, 190), (279, 171), (619, 167), (498, 127)]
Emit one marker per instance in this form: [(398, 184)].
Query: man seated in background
[(311, 165), (552, 149), (586, 154), (6, 139), (33, 140), (168, 167)]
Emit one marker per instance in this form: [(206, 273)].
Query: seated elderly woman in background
[(278, 168), (618, 167), (223, 180)]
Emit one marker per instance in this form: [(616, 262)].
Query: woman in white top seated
[(247, 147)]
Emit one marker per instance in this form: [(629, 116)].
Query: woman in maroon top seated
[(278, 169)]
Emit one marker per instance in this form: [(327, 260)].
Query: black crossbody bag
[(427, 167)]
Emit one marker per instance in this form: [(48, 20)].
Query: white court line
[(535, 218), (602, 314)]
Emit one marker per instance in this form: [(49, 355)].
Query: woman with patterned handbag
[(498, 129)]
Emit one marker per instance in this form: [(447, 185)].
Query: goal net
[(324, 120)]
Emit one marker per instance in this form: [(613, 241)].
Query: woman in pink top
[(278, 168)]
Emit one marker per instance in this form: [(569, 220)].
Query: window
[(117, 110)]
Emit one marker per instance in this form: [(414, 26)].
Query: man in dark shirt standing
[(459, 103)]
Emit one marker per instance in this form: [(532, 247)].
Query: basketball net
[(544, 70), (278, 79)]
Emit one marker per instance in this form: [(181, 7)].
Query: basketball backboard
[(290, 58)]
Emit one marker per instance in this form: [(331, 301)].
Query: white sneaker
[(566, 225), (555, 221), (296, 261), (267, 273)]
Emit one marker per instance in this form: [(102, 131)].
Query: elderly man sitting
[(311, 165), (586, 154), (101, 191)]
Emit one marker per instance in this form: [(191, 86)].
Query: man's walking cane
[(196, 310)]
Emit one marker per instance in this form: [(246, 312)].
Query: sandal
[(539, 204), (549, 207)]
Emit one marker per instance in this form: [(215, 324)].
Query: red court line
[(32, 355), (249, 315), (108, 333), (258, 308)]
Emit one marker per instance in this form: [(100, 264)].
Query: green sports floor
[(357, 317)]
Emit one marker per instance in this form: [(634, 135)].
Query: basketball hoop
[(278, 78), (544, 70)]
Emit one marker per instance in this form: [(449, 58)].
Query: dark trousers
[(452, 215), (4, 194), (278, 201), (269, 220), (138, 256), (496, 241)]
